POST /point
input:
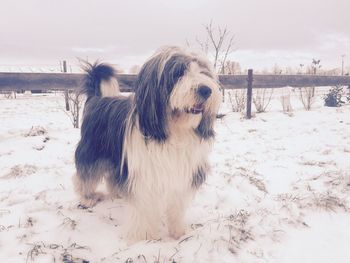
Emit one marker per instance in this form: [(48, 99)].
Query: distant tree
[(135, 69), (277, 70), (309, 70), (232, 68), (315, 65), (219, 42), (118, 69), (289, 70), (265, 71)]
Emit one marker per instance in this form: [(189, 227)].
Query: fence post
[(66, 91), (249, 93)]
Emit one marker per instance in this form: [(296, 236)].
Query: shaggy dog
[(151, 147)]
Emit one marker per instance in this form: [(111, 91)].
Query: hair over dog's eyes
[(179, 71)]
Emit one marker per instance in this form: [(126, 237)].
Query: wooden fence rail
[(64, 81), (10, 81)]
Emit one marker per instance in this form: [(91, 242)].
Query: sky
[(126, 33)]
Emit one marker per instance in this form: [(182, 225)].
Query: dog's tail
[(100, 80)]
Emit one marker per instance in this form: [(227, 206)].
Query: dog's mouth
[(196, 109)]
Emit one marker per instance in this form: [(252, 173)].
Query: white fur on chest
[(168, 167)]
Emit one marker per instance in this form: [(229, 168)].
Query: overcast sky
[(286, 32)]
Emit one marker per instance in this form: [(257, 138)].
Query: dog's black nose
[(204, 92)]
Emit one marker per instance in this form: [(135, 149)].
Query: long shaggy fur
[(151, 147)]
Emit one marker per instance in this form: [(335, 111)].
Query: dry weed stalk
[(329, 202), (35, 251), (239, 231)]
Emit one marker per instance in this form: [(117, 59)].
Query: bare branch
[(219, 42), (226, 53)]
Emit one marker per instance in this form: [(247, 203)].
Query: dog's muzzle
[(203, 93)]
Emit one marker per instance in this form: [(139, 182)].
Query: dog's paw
[(132, 238), (91, 200), (134, 233)]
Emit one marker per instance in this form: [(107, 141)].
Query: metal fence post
[(249, 93)]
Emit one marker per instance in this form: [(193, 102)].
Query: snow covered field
[(279, 191)]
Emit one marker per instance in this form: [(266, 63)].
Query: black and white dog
[(151, 147)]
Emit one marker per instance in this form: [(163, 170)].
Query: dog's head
[(176, 89)]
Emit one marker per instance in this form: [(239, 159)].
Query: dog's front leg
[(143, 219), (177, 205)]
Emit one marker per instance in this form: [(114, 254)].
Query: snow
[(278, 192)]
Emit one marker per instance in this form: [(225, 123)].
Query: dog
[(151, 147)]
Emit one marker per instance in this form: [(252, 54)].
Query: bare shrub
[(9, 94), (75, 100), (262, 98), (307, 97), (237, 99), (334, 97)]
